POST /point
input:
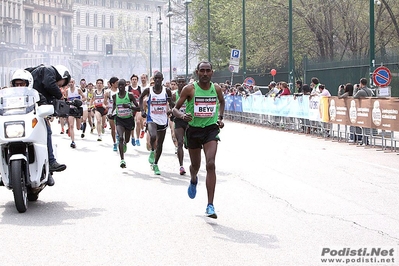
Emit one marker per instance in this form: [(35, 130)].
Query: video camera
[(64, 108)]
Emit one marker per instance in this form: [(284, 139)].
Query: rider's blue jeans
[(51, 157)]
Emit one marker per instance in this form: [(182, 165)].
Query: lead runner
[(204, 114)]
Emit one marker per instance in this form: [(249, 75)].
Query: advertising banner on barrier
[(385, 113), (378, 113), (349, 111)]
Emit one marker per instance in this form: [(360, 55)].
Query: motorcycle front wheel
[(18, 185)]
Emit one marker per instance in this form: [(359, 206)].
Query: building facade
[(76, 33)]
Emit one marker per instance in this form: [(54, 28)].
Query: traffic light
[(108, 49)]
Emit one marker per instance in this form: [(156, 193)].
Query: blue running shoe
[(115, 147), (133, 142), (137, 142), (192, 189), (210, 211)]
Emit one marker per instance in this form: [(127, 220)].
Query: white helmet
[(64, 73), (22, 74)]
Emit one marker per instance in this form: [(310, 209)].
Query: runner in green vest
[(204, 113), (123, 104)]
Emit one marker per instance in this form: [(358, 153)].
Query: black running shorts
[(127, 123), (196, 137)]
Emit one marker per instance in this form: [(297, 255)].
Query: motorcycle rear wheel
[(18, 185)]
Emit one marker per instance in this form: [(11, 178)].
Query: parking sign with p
[(235, 57)]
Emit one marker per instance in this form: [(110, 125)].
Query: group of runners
[(193, 111)]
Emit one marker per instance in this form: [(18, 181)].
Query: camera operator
[(47, 81)]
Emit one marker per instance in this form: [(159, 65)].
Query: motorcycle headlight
[(15, 129)]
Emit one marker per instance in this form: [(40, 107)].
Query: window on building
[(78, 42), (87, 19), (103, 21), (95, 20), (146, 7), (95, 43), (55, 20), (102, 2), (137, 24), (112, 3), (95, 3), (137, 6), (103, 44), (137, 43), (111, 21), (78, 18), (129, 5), (120, 4), (87, 42)]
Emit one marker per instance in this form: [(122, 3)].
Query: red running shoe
[(182, 171), (142, 134)]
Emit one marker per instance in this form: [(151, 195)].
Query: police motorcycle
[(23, 144)]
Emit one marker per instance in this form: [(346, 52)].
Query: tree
[(323, 30)]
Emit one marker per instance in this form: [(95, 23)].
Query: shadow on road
[(244, 237), (42, 213)]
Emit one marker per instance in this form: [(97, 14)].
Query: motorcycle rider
[(47, 81), (22, 78)]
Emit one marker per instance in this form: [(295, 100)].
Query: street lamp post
[(244, 43), (209, 32), (150, 37), (169, 15), (290, 53), (372, 38), (187, 2), (160, 38)]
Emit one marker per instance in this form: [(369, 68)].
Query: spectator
[(363, 91), (298, 86), (273, 90), (356, 88), (341, 89), (324, 91), (348, 91), (314, 85), (306, 89), (257, 91), (284, 90)]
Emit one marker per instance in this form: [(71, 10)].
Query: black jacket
[(45, 82)]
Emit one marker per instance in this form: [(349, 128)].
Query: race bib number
[(123, 112), (205, 106), (158, 107), (98, 102)]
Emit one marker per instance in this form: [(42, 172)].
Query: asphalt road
[(281, 198)]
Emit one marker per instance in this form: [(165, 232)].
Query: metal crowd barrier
[(370, 138)]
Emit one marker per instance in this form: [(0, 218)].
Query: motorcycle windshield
[(17, 100)]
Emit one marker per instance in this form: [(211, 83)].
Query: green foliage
[(322, 29)]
